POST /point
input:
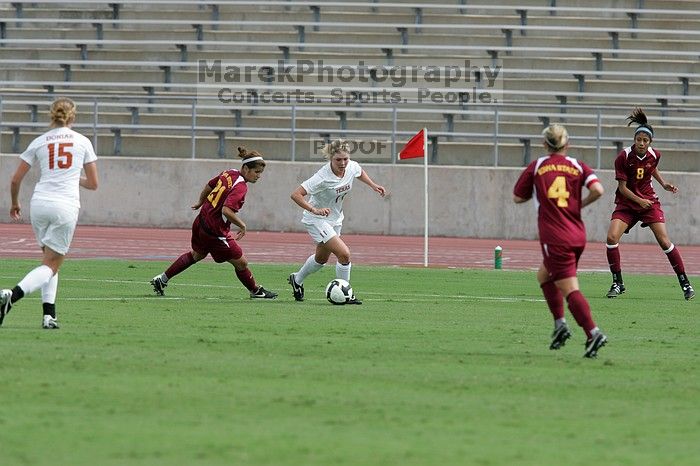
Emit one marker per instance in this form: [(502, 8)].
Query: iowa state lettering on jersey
[(227, 177), (342, 189), (558, 168)]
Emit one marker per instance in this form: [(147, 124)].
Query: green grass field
[(438, 367)]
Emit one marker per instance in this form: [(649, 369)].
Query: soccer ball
[(338, 291)]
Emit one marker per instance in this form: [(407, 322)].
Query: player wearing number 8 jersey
[(61, 155), (636, 201), (220, 200), (555, 182), (323, 213)]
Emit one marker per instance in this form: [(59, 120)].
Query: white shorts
[(322, 231), (53, 224)]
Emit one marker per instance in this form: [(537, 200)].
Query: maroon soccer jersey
[(556, 182), (636, 172), (228, 189)]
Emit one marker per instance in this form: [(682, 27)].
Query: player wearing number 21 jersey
[(61, 155), (220, 200), (555, 182)]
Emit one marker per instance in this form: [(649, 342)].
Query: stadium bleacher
[(133, 67)]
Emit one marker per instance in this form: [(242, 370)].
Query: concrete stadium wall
[(464, 201)]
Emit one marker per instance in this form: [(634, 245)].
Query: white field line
[(417, 297)]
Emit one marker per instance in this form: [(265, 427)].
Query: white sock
[(163, 278), (343, 271), (595, 331), (309, 267), (559, 322), (35, 279), (49, 289)]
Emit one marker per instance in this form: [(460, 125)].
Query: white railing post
[(194, 126), (495, 135), (94, 124), (294, 133), (598, 137), (1, 126), (394, 125)]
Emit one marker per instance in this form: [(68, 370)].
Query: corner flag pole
[(416, 147)]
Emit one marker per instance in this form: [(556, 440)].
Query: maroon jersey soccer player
[(220, 200), (636, 201), (556, 181)]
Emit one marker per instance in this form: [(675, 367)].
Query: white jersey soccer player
[(61, 155), (323, 213)]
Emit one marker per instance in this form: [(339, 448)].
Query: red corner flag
[(416, 147)]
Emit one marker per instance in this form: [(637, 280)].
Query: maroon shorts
[(221, 248), (653, 214), (561, 261)]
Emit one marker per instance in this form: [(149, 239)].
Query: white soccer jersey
[(61, 154), (328, 191)]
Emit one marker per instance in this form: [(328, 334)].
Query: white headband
[(252, 159), (644, 129)]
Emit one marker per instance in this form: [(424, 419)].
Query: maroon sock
[(246, 277), (180, 264), (581, 311), (674, 257), (614, 258), (554, 299)]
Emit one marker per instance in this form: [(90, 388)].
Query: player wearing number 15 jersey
[(636, 201), (556, 182), (220, 200), (323, 213), (61, 155)]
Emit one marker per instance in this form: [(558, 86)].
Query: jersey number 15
[(60, 156)]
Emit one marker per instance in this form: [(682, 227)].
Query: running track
[(17, 241)]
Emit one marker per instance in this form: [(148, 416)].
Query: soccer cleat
[(559, 337), (298, 290), (688, 293), (594, 344), (262, 293), (158, 285), (5, 303), (616, 290), (49, 323), (354, 300)]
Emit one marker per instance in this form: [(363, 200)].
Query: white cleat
[(49, 323)]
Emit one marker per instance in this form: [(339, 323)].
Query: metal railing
[(601, 118)]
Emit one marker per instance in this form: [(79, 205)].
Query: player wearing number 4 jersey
[(61, 155), (220, 200), (636, 201), (323, 213), (555, 182)]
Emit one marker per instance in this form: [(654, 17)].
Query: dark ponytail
[(639, 117)]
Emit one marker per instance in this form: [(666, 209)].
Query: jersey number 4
[(557, 190), (60, 156)]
